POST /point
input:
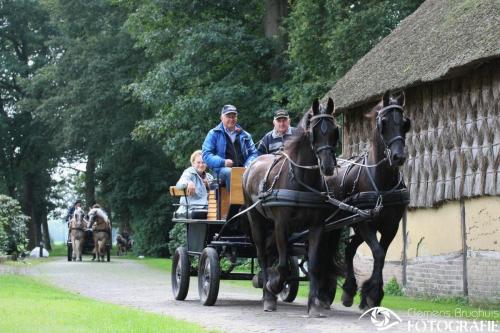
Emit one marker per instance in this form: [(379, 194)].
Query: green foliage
[(328, 37), (26, 155), (135, 85), (134, 179), (211, 54), (178, 237), (150, 228), (393, 288), (13, 230)]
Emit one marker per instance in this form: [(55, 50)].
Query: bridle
[(79, 218), (315, 121), (387, 144)]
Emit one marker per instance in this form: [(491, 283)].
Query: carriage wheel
[(208, 276), (291, 288), (108, 253), (180, 274), (70, 251)]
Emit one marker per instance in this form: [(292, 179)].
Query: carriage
[(222, 230), (88, 245), (219, 233)]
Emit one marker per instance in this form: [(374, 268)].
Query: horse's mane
[(99, 212), (300, 134)]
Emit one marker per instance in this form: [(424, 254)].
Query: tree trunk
[(28, 205), (46, 234), (90, 180), (276, 11)]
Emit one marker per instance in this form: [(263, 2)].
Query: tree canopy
[(132, 87)]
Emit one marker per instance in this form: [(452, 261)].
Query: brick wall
[(442, 275), (435, 276), (483, 268)]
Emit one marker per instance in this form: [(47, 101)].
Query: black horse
[(378, 172), (300, 169)]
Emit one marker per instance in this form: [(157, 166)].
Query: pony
[(376, 172), (300, 168), (77, 226), (101, 228), (124, 243)]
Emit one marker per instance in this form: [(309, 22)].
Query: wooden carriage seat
[(235, 197), (237, 186), (194, 213)]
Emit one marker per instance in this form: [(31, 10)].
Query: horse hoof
[(269, 305), (371, 303), (316, 312), (364, 308), (317, 309), (347, 299), (269, 287)]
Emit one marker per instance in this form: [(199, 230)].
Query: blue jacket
[(214, 148)]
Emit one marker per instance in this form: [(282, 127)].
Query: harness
[(397, 195), (387, 144), (75, 228), (364, 205)]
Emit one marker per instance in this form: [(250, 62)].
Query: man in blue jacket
[(228, 145)]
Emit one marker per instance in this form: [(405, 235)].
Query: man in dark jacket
[(275, 139), (71, 210), (228, 145)]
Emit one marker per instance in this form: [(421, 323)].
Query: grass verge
[(30, 306)]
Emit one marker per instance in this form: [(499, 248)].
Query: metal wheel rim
[(206, 278), (286, 290), (178, 275)]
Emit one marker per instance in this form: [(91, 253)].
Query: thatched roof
[(439, 40)]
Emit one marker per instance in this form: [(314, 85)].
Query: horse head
[(323, 135), (97, 213), (79, 217), (392, 126)]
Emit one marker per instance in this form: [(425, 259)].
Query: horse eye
[(407, 125)]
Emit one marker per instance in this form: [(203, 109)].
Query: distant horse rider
[(71, 211)]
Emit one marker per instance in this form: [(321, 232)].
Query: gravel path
[(238, 310)]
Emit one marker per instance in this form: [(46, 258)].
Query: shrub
[(393, 288), (177, 236), (13, 229)]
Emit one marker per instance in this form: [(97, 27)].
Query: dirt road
[(238, 310)]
